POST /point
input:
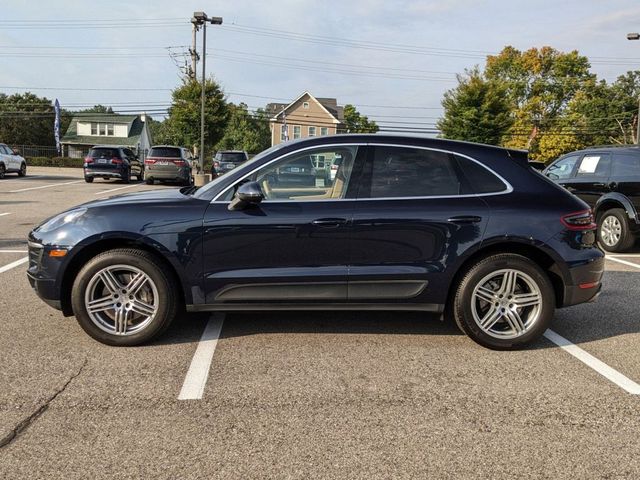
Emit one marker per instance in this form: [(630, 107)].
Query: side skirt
[(239, 307)]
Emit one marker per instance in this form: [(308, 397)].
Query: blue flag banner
[(56, 125)]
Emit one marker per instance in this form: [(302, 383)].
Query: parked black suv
[(105, 161), (608, 179)]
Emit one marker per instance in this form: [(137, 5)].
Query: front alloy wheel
[(125, 297), (504, 301)]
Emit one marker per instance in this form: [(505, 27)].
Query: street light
[(201, 19), (636, 36)]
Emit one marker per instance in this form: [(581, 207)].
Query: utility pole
[(193, 51), (636, 36)]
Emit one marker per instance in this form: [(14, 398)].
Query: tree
[(245, 131), (183, 123), (477, 110), (355, 122), (26, 119)]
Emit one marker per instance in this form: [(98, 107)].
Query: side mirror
[(248, 194)]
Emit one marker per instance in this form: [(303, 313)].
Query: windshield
[(213, 184)]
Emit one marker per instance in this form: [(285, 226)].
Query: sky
[(393, 59)]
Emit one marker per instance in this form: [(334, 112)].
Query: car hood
[(137, 198)]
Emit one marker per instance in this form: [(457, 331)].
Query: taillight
[(150, 161), (179, 163), (88, 160), (582, 220), (116, 161)]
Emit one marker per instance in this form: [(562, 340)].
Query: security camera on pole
[(201, 19)]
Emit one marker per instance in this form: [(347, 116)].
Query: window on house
[(283, 133), (305, 105), (94, 129), (297, 130), (110, 129), (312, 131), (324, 131)]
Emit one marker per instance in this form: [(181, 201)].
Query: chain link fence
[(48, 151)]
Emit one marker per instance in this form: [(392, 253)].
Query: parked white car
[(11, 162)]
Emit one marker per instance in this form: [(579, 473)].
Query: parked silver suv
[(168, 163)]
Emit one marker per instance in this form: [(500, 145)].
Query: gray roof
[(331, 104)]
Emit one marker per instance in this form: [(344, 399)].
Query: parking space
[(348, 394)]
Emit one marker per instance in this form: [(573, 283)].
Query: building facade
[(306, 116)]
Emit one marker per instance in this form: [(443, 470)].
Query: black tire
[(126, 176), (162, 277), (626, 240), (88, 179), (140, 176), (23, 170), (3, 170), (461, 305), (149, 181)]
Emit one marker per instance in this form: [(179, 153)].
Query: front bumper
[(42, 273)]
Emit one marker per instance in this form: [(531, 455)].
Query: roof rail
[(614, 145)]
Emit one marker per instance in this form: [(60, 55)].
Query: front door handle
[(463, 219), (329, 222)]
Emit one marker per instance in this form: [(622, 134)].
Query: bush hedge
[(55, 162)]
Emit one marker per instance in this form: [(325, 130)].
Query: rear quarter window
[(626, 164), (480, 179)]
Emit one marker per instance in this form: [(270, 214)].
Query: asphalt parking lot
[(307, 395)]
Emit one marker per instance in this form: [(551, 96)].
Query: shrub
[(55, 162)]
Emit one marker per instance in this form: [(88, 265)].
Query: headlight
[(60, 220)]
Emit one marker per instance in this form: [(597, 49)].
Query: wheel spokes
[(485, 294), (110, 281), (136, 283), (491, 317), (508, 282), (120, 321), (515, 322), (101, 304)]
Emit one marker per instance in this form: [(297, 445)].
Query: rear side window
[(165, 152), (562, 168), (105, 153), (626, 164), (412, 172), (595, 165), (481, 179)]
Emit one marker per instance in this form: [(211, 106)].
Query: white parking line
[(6, 213), (592, 362), (13, 251), (13, 264), (119, 188), (624, 262), (21, 179), (44, 186), (196, 379)]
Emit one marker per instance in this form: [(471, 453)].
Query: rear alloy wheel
[(23, 170), (504, 301), (613, 231), (124, 297)]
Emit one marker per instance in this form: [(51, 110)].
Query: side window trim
[(366, 189)]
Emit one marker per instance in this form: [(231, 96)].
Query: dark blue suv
[(407, 223)]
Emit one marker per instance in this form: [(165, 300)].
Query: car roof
[(231, 151), (166, 146), (607, 148)]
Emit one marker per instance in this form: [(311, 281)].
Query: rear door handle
[(465, 219), (329, 222)]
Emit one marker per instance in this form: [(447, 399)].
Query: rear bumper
[(103, 173), (585, 284), (161, 174)]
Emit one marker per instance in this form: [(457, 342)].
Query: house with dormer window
[(87, 130)]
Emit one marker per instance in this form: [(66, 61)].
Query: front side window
[(562, 168), (296, 177), (594, 166), (399, 172)]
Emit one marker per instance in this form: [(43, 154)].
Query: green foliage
[(245, 131), (476, 110), (182, 127), (355, 122), (54, 162), (26, 119)]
